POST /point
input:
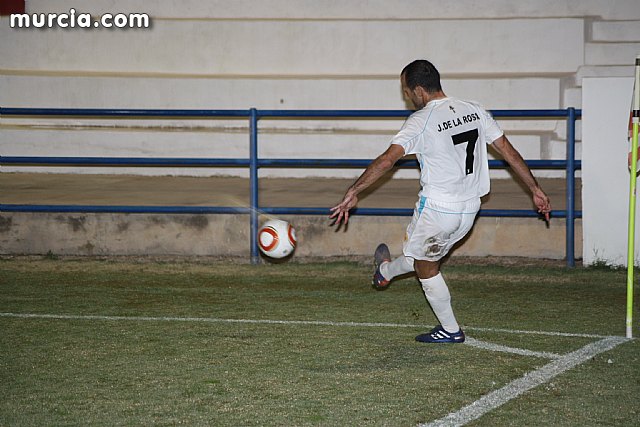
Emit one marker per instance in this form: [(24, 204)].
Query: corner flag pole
[(632, 197)]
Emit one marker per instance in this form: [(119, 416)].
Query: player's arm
[(382, 164), (520, 168)]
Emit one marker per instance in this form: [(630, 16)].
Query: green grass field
[(117, 342)]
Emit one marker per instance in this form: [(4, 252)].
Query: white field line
[(207, 320), (467, 414), (556, 334), (529, 381), (504, 349), (273, 322)]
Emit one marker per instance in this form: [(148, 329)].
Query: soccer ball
[(277, 238)]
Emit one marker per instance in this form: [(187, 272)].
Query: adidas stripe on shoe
[(439, 335)]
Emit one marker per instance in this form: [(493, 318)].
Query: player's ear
[(422, 94)]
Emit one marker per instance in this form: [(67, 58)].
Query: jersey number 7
[(470, 137)]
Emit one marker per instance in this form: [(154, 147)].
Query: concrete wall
[(317, 55), (605, 192), (228, 235)]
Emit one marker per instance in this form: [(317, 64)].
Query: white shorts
[(437, 226)]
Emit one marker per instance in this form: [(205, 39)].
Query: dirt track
[(35, 188)]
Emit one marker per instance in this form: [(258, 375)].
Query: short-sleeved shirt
[(449, 138)]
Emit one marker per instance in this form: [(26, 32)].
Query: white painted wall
[(605, 176), (304, 54), (309, 48)]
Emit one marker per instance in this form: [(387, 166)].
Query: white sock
[(437, 293), (398, 266)]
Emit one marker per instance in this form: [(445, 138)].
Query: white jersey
[(449, 137)]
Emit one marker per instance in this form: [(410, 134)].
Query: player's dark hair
[(424, 74)]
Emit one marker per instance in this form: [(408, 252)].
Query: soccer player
[(449, 138)]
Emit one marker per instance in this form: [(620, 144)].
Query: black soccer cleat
[(439, 335), (380, 256)]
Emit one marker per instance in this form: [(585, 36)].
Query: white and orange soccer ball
[(277, 238)]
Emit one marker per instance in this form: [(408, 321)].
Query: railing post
[(571, 171), (253, 182)]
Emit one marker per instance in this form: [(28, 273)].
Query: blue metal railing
[(254, 163)]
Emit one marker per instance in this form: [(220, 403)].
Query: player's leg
[(437, 293), (387, 269), (397, 267), (437, 230)]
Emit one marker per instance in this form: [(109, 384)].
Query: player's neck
[(423, 98), (435, 96)]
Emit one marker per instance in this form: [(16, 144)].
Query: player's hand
[(340, 213), (542, 202)]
